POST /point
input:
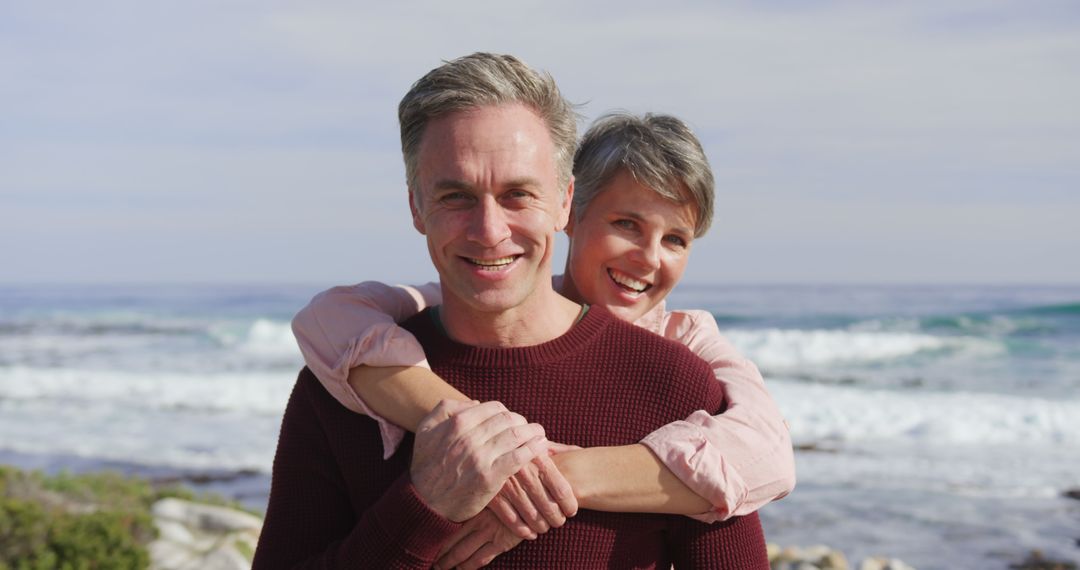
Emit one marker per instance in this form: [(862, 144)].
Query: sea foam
[(250, 393), (820, 413), (791, 348)]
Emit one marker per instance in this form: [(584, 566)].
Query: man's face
[(489, 204)]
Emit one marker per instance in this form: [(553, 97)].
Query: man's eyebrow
[(523, 182), (451, 184)]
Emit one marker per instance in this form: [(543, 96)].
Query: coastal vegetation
[(76, 522)]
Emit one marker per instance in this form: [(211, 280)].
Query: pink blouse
[(738, 460)]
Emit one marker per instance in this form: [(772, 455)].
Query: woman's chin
[(628, 313)]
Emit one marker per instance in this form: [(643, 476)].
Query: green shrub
[(82, 522), (67, 522)]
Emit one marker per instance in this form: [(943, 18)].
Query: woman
[(644, 191)]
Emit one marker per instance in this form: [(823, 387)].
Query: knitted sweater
[(335, 503)]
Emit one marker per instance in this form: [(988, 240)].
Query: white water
[(946, 443)]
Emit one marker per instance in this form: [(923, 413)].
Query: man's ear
[(417, 219), (563, 221)]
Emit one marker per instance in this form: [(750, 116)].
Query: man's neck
[(544, 316)]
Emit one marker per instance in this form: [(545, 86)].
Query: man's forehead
[(497, 124), (508, 143)]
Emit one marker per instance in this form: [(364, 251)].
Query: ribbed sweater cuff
[(407, 519)]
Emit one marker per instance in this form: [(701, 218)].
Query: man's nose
[(488, 226)]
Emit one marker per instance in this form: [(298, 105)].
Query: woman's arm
[(644, 483), (345, 327), (401, 394), (742, 458)]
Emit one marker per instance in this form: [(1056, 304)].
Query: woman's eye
[(675, 240)]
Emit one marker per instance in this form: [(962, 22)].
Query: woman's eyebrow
[(638, 217)]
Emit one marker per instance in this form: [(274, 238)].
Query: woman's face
[(629, 249)]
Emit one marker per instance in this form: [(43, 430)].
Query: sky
[(852, 142)]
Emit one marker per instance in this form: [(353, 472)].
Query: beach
[(935, 424)]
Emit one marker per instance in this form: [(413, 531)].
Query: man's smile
[(495, 264)]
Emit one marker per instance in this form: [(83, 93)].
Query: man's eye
[(455, 198), (623, 224)]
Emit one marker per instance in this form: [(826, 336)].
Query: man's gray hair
[(481, 80), (659, 151)]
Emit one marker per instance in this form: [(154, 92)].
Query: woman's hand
[(536, 498), (477, 543)]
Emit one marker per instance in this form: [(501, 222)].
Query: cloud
[(243, 122)]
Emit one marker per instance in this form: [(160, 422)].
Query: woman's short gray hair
[(659, 151), (480, 80)]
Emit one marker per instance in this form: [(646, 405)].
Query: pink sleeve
[(740, 459), (345, 327)]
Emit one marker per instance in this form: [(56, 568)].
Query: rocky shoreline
[(158, 522), (194, 536)]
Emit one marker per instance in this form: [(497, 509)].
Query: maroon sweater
[(335, 503)]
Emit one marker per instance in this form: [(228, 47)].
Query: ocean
[(936, 424)]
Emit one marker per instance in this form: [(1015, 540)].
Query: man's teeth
[(628, 282), (493, 262)]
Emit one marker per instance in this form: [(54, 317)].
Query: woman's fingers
[(464, 545), (555, 448), (482, 557), (515, 492), (556, 485), (509, 517), (537, 496)]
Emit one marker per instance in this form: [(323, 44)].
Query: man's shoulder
[(637, 349), (640, 361), (420, 323)]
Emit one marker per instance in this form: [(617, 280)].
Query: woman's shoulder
[(686, 324)]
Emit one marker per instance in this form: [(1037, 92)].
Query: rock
[(1037, 561), (790, 554), (205, 517), (834, 560), (225, 557), (818, 557), (882, 563), (1071, 493), (873, 564), (194, 536)]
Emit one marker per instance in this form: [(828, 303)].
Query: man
[(488, 144)]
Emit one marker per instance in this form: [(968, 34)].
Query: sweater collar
[(439, 347)]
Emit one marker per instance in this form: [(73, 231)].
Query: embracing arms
[(738, 460)]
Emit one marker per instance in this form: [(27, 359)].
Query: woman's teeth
[(628, 282)]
